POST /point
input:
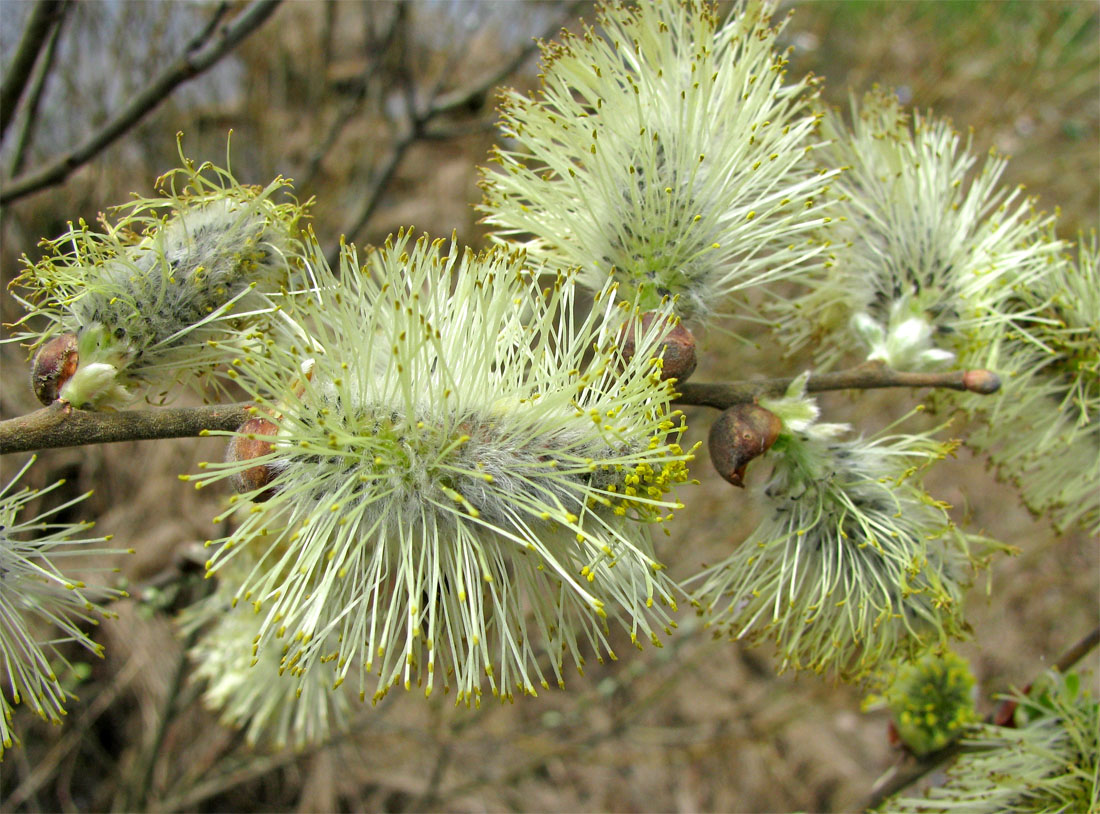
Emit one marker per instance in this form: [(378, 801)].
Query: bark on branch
[(60, 425), (868, 376)]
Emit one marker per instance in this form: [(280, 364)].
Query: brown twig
[(42, 70), (868, 376), (47, 766), (199, 55), (415, 129), (909, 768), (376, 48), (137, 795), (43, 20), (60, 425)]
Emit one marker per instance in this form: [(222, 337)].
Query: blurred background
[(382, 112)]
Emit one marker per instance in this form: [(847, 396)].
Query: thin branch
[(377, 48), (419, 120), (144, 784), (34, 96), (457, 131), (909, 768), (378, 183), (60, 425), (1077, 652), (199, 55), (463, 96), (46, 767), (211, 24), (868, 376), (1004, 714), (44, 18)]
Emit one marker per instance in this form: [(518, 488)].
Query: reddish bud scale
[(54, 364), (677, 347), (741, 433), (244, 448), (981, 381)]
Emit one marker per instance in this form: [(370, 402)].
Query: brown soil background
[(699, 725)]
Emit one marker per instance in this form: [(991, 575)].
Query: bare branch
[(377, 47), (416, 128), (909, 768), (868, 376), (136, 796), (199, 55), (44, 18), (59, 425), (463, 96), (34, 96)]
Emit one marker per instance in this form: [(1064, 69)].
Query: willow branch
[(377, 48), (60, 425), (868, 376), (909, 768), (197, 57), (44, 19)]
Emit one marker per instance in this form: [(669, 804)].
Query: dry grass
[(699, 725)]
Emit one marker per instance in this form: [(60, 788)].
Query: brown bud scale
[(741, 433), (53, 365), (981, 381), (247, 446), (677, 350)]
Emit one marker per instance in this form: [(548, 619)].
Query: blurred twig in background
[(201, 53), (418, 116), (45, 18)]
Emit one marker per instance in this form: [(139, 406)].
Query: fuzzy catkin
[(666, 151), (201, 259), (853, 564), (464, 472), (926, 245), (1043, 432), (37, 595), (162, 294)]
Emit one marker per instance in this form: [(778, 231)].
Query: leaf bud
[(677, 350), (54, 364), (740, 434), (244, 447)]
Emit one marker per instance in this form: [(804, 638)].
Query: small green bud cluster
[(931, 700), (1048, 761)]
